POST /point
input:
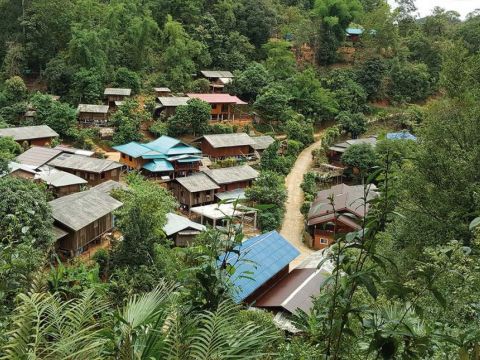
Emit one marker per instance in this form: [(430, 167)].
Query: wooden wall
[(189, 199), (131, 162), (218, 153)]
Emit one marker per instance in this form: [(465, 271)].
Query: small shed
[(116, 94), (218, 79), (40, 135), (162, 91), (225, 107), (196, 189), (181, 230), (92, 115), (233, 178), (218, 214), (261, 143)]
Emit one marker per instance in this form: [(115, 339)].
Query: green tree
[(370, 76), (87, 86), (361, 157), (141, 220), (269, 188), (250, 82), (409, 82), (255, 20), (354, 124), (191, 118), (272, 103), (59, 76), (280, 61), (300, 130), (127, 121), (335, 15), (61, 117), (15, 90), (9, 148), (125, 78)]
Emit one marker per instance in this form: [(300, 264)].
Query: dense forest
[(404, 286)]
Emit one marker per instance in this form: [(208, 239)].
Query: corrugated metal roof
[(59, 233), (71, 150), (221, 211), (158, 165), (402, 135), (261, 258), (92, 108), (78, 210), (108, 186), (162, 89), (262, 142), (29, 132), (164, 145), (232, 174), (132, 149), (354, 31), (229, 140), (341, 147), (217, 98), (293, 292), (117, 91), (216, 74), (237, 194), (173, 101), (14, 166), (345, 198), (176, 223), (197, 182), (58, 178), (84, 163), (38, 156)]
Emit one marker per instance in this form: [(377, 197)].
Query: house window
[(102, 175), (124, 156), (323, 241), (130, 158), (225, 108), (213, 106)]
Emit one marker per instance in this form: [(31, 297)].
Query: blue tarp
[(403, 135), (261, 258)]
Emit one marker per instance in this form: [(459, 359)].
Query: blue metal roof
[(354, 31), (261, 258), (189, 159), (158, 165), (402, 135), (162, 144), (132, 149), (183, 149)]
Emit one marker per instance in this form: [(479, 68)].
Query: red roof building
[(224, 106)]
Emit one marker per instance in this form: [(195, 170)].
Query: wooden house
[(353, 34), (217, 79), (164, 157), (82, 218), (41, 135), (194, 190), (233, 178), (349, 208), (92, 115), (181, 230), (167, 105), (225, 107), (266, 259), (221, 146), (113, 95), (162, 91), (94, 170)]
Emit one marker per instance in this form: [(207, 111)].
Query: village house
[(59, 183), (194, 190), (349, 208), (181, 230), (82, 218), (353, 34), (296, 290), (114, 96), (41, 135), (94, 170), (266, 259), (217, 79), (167, 105), (164, 157), (261, 143), (335, 152), (225, 107), (232, 178), (92, 115), (162, 91), (221, 146)]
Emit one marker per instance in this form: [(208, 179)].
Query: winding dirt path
[(293, 223)]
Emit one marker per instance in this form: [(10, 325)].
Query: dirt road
[(293, 223)]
